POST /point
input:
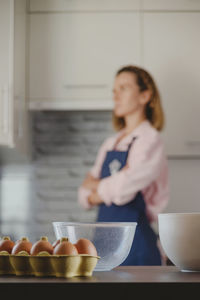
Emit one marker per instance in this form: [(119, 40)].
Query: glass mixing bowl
[(113, 240)]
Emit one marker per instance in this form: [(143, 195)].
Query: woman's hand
[(91, 183), (94, 199)]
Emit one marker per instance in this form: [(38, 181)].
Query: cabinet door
[(80, 5), (74, 57), (21, 130), (173, 5), (5, 72), (171, 53), (13, 110)]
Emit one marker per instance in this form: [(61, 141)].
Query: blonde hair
[(153, 110)]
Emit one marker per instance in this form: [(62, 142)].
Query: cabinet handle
[(1, 108), (193, 143), (5, 110), (85, 86), (19, 102)]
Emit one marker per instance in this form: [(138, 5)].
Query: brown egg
[(42, 245), (65, 248), (85, 246), (55, 243), (6, 244), (22, 245)]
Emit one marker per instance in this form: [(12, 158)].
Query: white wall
[(184, 178), (184, 185), (15, 197)]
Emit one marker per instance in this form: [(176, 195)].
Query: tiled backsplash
[(65, 145)]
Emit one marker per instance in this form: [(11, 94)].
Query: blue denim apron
[(144, 250)]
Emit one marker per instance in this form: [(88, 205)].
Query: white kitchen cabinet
[(80, 5), (74, 57), (170, 5), (36, 6), (5, 70), (13, 110), (171, 52)]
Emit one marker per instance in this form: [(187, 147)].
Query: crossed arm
[(91, 184)]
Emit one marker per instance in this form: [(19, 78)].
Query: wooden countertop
[(123, 274), (141, 279)]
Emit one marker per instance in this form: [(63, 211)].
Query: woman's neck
[(133, 121)]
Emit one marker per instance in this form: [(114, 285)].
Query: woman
[(129, 180)]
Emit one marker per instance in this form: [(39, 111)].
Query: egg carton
[(44, 264)]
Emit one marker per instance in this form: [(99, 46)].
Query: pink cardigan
[(147, 172)]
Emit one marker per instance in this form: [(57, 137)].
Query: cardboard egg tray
[(45, 264)]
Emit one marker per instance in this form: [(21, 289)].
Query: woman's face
[(127, 96)]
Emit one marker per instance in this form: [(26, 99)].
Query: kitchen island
[(145, 280)]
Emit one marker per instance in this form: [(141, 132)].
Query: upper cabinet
[(170, 5), (74, 57), (5, 72), (171, 53), (80, 5), (13, 105), (77, 46), (36, 6)]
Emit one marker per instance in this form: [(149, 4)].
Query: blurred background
[(58, 59)]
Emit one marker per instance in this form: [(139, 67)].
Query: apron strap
[(131, 143)]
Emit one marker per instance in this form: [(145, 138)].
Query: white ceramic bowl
[(180, 238), (112, 240)]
